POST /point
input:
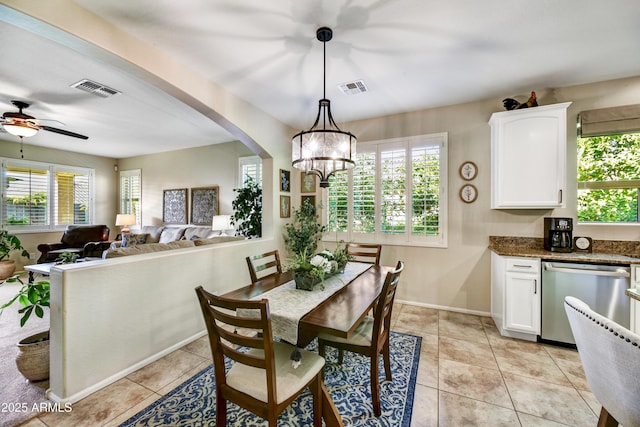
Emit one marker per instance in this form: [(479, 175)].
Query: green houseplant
[(33, 351), (247, 207), (8, 244)]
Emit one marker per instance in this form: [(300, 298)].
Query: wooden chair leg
[(387, 360), (606, 420), (321, 348), (340, 356), (221, 410), (375, 385), (316, 392)]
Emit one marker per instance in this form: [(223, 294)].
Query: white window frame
[(247, 161), (51, 196), (125, 205), (407, 238)]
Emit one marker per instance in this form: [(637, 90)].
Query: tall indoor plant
[(247, 207), (8, 244), (33, 351)]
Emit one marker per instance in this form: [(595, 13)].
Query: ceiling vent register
[(95, 88), (353, 88)]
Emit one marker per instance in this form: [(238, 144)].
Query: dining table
[(339, 314)]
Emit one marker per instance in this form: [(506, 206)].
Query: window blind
[(607, 121)]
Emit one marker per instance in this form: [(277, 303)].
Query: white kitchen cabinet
[(528, 157), (515, 296)]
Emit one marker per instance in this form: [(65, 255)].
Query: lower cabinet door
[(522, 303)]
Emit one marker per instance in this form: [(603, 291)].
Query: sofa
[(137, 249), (75, 239)]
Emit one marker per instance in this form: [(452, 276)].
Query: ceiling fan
[(24, 125)]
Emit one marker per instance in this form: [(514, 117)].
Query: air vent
[(353, 88), (95, 88)]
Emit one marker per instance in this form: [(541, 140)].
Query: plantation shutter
[(425, 190), (393, 180), (130, 193), (26, 190), (71, 198), (364, 193), (337, 203), (607, 121)]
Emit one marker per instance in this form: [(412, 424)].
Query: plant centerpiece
[(33, 352), (8, 244)]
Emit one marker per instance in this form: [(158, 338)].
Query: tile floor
[(468, 376)]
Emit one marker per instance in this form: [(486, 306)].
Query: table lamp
[(221, 223), (124, 221)]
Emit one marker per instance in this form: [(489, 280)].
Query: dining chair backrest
[(226, 341), (384, 306), (248, 341), (264, 265), (368, 253), (610, 355)]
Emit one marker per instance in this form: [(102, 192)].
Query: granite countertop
[(604, 251), (633, 293)]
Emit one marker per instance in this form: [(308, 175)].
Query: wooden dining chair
[(264, 265), (371, 337), (368, 253), (262, 380)]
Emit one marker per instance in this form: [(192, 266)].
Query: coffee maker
[(558, 234)]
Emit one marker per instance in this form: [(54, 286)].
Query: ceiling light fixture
[(21, 128), (324, 149)]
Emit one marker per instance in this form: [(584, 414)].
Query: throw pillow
[(137, 239), (171, 234)]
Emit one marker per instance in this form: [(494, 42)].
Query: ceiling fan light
[(22, 129)]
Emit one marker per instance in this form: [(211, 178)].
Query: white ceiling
[(412, 55)]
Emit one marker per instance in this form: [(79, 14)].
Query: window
[(131, 193), (250, 167), (396, 194), (40, 196), (609, 178)]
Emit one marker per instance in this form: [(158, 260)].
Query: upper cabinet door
[(528, 157)]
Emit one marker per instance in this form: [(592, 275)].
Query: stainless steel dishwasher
[(601, 286)]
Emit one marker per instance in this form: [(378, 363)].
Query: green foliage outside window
[(608, 178)]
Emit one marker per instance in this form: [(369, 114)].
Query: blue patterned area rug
[(193, 402)]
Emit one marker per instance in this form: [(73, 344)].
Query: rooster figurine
[(512, 104)]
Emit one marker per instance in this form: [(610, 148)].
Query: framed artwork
[(174, 206), (285, 180), (285, 206), (312, 200), (205, 203), (307, 182)]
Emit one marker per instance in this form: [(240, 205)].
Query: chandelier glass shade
[(323, 149)]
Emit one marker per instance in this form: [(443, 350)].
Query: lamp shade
[(221, 223), (124, 220)]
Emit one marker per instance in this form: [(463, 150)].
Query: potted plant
[(33, 352), (247, 206), (8, 244), (301, 238)]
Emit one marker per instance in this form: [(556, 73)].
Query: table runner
[(288, 305)]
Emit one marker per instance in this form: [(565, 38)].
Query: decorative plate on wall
[(468, 193), (468, 171)]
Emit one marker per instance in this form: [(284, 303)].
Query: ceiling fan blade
[(63, 132)]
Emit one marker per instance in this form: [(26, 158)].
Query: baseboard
[(119, 375), (441, 307)]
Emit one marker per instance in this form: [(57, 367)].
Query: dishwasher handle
[(615, 273)]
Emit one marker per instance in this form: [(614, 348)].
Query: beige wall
[(459, 276), (190, 168), (105, 185)]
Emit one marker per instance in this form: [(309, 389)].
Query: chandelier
[(324, 149)]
